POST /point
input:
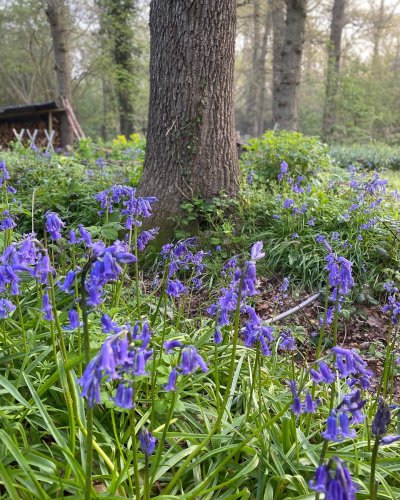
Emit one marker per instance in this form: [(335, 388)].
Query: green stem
[(134, 454), (89, 413), (137, 290), (216, 426), (146, 478), (253, 382), (21, 319), (372, 483), (160, 446)]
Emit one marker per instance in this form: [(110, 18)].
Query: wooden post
[(50, 122)]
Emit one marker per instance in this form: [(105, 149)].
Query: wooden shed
[(44, 117)]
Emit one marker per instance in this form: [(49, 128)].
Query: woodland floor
[(366, 329)]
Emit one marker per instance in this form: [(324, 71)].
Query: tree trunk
[(57, 14), (332, 79), (191, 150), (258, 78), (262, 75), (253, 87), (119, 19), (278, 14), (289, 79)]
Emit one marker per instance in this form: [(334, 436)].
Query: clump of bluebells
[(334, 480), (241, 287)]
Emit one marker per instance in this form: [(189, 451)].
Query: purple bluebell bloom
[(46, 308), (73, 320), (333, 432), (171, 384), (382, 419), (170, 345), (53, 225), (146, 236), (69, 281), (334, 480), (175, 288), (324, 374), (147, 442), (124, 396), (6, 308), (191, 361)]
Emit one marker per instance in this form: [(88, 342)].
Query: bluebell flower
[(334, 480), (389, 439), (256, 252), (382, 419), (171, 384), (324, 374), (191, 361), (353, 404), (175, 288), (109, 326), (147, 442), (217, 336), (73, 320), (6, 308), (68, 283), (254, 331), (53, 225), (350, 364), (288, 203), (170, 345), (146, 236), (283, 170), (333, 432), (124, 396), (287, 342), (4, 174), (46, 307), (8, 222), (321, 479)]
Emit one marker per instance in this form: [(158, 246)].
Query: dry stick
[(295, 309)]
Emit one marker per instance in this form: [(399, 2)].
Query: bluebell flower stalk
[(256, 253)]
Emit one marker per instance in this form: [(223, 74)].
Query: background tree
[(57, 14), (286, 89), (191, 149), (117, 21), (333, 69)]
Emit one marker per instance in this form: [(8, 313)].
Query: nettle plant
[(114, 386)]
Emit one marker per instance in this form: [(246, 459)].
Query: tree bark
[(119, 19), (262, 74), (57, 14), (333, 71), (278, 14), (257, 88), (290, 72), (191, 150)]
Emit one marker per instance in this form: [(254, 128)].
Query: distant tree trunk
[(106, 84), (262, 75), (253, 87), (191, 150), (332, 79), (278, 14), (289, 79), (57, 14), (258, 77), (119, 18)]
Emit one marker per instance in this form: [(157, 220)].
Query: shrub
[(305, 155), (370, 156)]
